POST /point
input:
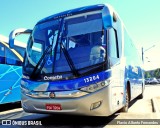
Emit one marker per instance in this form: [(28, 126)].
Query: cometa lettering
[(58, 77)]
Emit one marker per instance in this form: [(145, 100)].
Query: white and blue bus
[(86, 64), (10, 71)]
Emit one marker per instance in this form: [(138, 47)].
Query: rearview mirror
[(15, 33)]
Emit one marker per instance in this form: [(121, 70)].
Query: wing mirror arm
[(15, 33)]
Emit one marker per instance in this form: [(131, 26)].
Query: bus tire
[(125, 108)]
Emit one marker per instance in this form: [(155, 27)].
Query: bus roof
[(73, 12)]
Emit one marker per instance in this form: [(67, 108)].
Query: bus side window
[(113, 47), (11, 58)]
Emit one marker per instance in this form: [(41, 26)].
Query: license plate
[(53, 107)]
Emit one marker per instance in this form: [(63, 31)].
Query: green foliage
[(152, 73), (147, 75)]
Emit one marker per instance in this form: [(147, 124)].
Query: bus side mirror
[(15, 33)]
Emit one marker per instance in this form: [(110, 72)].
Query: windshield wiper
[(66, 54), (49, 49), (69, 60), (33, 74)]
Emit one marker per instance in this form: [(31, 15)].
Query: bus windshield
[(72, 45)]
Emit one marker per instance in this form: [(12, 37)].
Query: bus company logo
[(52, 95), (58, 77)]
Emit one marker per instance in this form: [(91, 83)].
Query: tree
[(157, 73), (147, 74)]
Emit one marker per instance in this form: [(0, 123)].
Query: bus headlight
[(34, 94), (96, 86), (38, 94)]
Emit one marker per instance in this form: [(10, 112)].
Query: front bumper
[(77, 106)]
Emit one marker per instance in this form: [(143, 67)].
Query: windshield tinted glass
[(83, 51), (43, 37), (66, 45)]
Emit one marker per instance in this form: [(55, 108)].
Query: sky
[(141, 18)]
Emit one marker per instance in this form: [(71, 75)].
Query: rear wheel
[(125, 108)]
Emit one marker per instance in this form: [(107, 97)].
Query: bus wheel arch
[(142, 94), (127, 98)]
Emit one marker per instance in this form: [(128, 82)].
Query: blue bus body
[(10, 73), (85, 64), (10, 77)]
